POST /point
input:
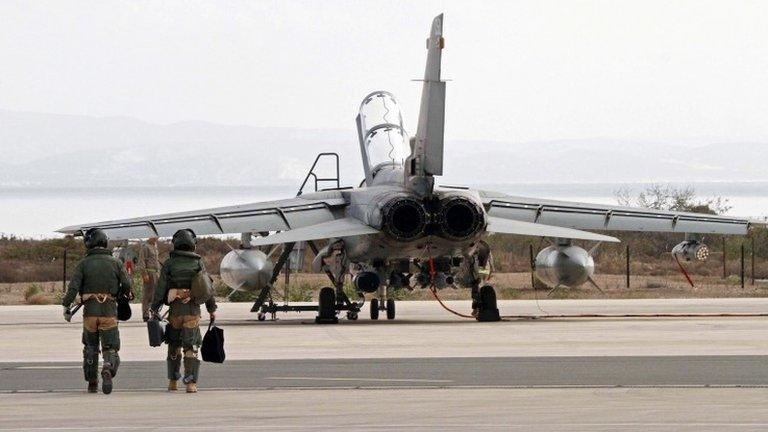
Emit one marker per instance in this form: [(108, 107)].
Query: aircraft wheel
[(391, 309), (326, 311), (488, 310), (352, 316), (261, 316), (374, 309)]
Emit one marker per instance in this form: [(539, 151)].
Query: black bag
[(123, 308), (156, 332), (213, 345)]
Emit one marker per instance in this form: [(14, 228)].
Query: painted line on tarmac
[(422, 426), (306, 378), (43, 367), (404, 387)]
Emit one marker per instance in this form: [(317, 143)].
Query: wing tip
[(69, 230)]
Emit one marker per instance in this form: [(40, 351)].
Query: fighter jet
[(399, 229)]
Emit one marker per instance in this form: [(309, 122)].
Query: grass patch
[(39, 299), (31, 291), (656, 284), (34, 295)]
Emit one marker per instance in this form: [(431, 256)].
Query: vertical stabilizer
[(426, 158)]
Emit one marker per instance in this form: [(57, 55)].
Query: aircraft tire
[(326, 311), (374, 309), (488, 310), (390, 309)]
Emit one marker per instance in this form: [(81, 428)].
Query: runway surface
[(480, 372), (424, 371)]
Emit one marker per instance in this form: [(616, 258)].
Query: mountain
[(68, 150), (65, 150), (606, 161)]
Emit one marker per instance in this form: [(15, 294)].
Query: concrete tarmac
[(475, 372), (424, 329), (560, 410), (426, 370)]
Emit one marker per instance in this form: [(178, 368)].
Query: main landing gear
[(326, 312), (484, 306)]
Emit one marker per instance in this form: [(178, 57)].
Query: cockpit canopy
[(383, 140)]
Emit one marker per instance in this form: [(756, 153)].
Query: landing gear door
[(383, 140)]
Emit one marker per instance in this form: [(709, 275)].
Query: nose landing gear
[(390, 309), (378, 305)]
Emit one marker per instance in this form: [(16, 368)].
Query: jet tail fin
[(426, 158)]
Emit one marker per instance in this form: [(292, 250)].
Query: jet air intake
[(460, 218)]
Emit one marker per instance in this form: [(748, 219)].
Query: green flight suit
[(183, 330), (98, 273)]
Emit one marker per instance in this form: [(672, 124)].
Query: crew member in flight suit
[(183, 331), (150, 266), (99, 278)]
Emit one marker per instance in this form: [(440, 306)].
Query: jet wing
[(345, 227), (511, 226), (606, 217), (281, 215)]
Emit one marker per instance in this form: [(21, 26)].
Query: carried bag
[(156, 331), (201, 288), (213, 345), (123, 308)]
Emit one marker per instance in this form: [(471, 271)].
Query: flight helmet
[(184, 240), (94, 238)]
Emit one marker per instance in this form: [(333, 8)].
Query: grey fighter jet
[(398, 229)]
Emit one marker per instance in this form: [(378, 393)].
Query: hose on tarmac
[(594, 315)]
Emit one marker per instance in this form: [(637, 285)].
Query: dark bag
[(123, 308), (156, 332), (213, 345)]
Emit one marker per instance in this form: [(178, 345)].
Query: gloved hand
[(67, 314)]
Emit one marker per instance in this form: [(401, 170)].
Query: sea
[(37, 212)]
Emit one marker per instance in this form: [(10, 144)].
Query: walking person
[(99, 278), (183, 330)]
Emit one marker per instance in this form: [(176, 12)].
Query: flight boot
[(93, 386), (191, 387), (173, 385), (106, 379)]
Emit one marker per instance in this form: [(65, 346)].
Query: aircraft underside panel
[(267, 216), (602, 217)]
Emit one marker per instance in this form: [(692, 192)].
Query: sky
[(682, 71)]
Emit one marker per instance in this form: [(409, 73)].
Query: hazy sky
[(520, 71)]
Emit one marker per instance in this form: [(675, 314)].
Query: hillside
[(70, 151)]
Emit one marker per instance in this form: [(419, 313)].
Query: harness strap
[(181, 294), (99, 297)]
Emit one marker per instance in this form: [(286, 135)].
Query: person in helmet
[(183, 330), (99, 278)]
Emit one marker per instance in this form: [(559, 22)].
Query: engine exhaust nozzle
[(460, 218)]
